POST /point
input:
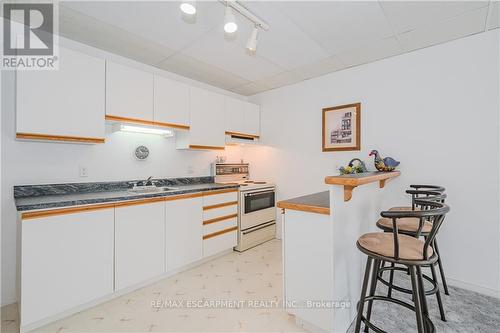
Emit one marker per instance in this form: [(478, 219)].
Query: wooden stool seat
[(403, 208), (407, 224), (382, 243)]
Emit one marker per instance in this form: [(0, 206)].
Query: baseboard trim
[(473, 287)]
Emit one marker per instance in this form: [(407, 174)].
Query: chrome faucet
[(146, 182)]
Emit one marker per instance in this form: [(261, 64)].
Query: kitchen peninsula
[(322, 267)]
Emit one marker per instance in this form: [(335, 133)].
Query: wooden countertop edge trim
[(221, 218), (206, 147), (65, 138), (304, 208), (145, 122), (77, 209), (351, 183), (224, 204), (218, 233)]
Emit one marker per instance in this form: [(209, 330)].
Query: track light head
[(230, 25), (253, 40), (188, 7)]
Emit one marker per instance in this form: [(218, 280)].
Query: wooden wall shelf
[(351, 181)]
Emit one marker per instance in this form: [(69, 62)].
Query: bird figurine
[(384, 164)]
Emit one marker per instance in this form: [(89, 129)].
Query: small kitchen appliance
[(256, 202)]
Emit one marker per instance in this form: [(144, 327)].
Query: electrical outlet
[(190, 170), (84, 171)]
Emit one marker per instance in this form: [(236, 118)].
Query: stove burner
[(259, 182), (249, 181), (244, 184)]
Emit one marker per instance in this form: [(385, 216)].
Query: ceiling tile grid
[(306, 39)]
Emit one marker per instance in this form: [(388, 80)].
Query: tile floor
[(254, 275)]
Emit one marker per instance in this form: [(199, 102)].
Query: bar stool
[(405, 250), (414, 227), (418, 191)]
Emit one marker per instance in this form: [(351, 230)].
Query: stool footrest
[(380, 278)]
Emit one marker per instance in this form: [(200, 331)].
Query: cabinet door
[(129, 92), (235, 115), (171, 102), (252, 119), (66, 261), (64, 102), (184, 232), (139, 243), (207, 119)]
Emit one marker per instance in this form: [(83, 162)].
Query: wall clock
[(141, 153)]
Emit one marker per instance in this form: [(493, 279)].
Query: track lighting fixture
[(188, 7), (252, 41), (230, 25)]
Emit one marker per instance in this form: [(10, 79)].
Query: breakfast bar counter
[(322, 267)]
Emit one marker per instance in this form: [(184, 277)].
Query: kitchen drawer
[(218, 226), (257, 235), (219, 243), (215, 199), (219, 212)]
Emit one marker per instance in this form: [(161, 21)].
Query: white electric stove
[(256, 199)]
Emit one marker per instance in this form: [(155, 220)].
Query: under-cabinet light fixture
[(146, 130)]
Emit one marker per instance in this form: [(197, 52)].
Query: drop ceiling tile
[(161, 21), (250, 89), (90, 31), (494, 20), (216, 50), (371, 52), (460, 26), (192, 68), (284, 43), (339, 25), (408, 15), (322, 67), (282, 79)]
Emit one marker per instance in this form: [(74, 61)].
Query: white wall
[(37, 163), (436, 110)]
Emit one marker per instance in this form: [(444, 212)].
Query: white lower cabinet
[(139, 243), (66, 261), (183, 232)]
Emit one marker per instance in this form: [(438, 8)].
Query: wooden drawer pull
[(218, 219), (231, 203), (221, 232)]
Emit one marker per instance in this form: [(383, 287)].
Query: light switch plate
[(84, 171)]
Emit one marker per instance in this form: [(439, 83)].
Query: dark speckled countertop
[(44, 197), (314, 203)]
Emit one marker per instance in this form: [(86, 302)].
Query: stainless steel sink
[(151, 189)]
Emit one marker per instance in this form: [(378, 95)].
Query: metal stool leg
[(391, 278), (441, 270), (373, 287), (416, 297), (361, 303), (438, 294), (421, 289)]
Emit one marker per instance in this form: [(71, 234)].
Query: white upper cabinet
[(207, 124), (129, 92), (235, 115), (171, 103), (242, 118), (252, 119), (139, 243), (65, 104)]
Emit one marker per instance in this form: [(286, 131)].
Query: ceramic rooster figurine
[(384, 164)]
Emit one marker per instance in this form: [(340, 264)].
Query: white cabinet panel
[(66, 261), (183, 232), (129, 92), (139, 243), (235, 115), (64, 102), (219, 243), (220, 212), (252, 119), (215, 199), (171, 102), (206, 120), (219, 226)]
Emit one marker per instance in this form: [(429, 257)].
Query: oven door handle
[(258, 193), (262, 226)]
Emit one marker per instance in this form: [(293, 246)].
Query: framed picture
[(342, 127)]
